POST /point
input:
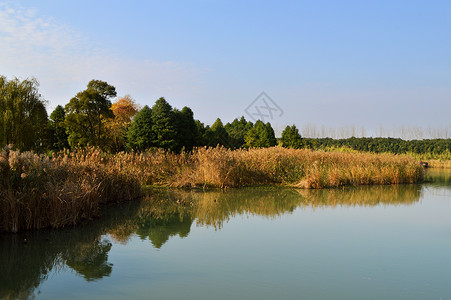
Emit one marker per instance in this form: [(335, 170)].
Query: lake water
[(381, 242)]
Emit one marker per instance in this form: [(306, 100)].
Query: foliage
[(186, 127), (237, 131), (86, 112), (216, 135), (23, 118), (58, 129), (291, 137), (140, 134), (260, 136), (124, 109), (163, 125)]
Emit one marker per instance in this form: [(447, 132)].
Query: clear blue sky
[(332, 63)]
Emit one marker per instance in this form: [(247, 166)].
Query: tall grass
[(222, 168), (38, 192)]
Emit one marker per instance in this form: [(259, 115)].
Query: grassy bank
[(38, 192)]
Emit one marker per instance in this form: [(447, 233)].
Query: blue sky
[(331, 63)]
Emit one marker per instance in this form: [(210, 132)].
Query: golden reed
[(38, 192)]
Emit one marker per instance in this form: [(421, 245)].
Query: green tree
[(291, 137), (140, 134), (186, 128), (163, 125), (237, 131), (217, 135), (86, 112), (58, 129), (23, 117), (261, 135)]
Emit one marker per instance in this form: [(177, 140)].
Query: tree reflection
[(90, 260), (158, 217)]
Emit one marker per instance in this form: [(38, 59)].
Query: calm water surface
[(390, 242)]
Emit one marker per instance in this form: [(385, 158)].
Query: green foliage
[(58, 134), (140, 135), (186, 127), (163, 125), (85, 114), (381, 145), (23, 117), (237, 131), (261, 135), (291, 137), (216, 135)]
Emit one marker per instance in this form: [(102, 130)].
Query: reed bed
[(222, 168), (39, 192)]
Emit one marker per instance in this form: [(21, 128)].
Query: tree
[(163, 125), (237, 131), (140, 134), (23, 117), (58, 129), (86, 111), (217, 135), (291, 138), (186, 128), (124, 109), (261, 135)]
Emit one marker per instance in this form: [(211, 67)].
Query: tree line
[(91, 118)]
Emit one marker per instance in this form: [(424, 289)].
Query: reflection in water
[(158, 217)]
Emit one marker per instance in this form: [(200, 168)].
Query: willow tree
[(86, 112), (23, 117)]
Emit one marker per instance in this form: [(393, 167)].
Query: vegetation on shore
[(38, 192)]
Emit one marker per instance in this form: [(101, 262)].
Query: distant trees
[(291, 138), (261, 135), (86, 112), (91, 118), (23, 117)]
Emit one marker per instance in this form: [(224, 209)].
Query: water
[(389, 242)]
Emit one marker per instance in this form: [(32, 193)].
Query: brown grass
[(38, 192), (221, 168)]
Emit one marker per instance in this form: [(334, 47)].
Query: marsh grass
[(222, 168), (39, 192)]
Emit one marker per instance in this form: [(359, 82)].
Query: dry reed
[(221, 168), (38, 192)]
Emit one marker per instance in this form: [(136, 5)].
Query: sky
[(337, 64)]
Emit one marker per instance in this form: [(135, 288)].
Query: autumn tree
[(124, 109), (23, 117), (86, 112)]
